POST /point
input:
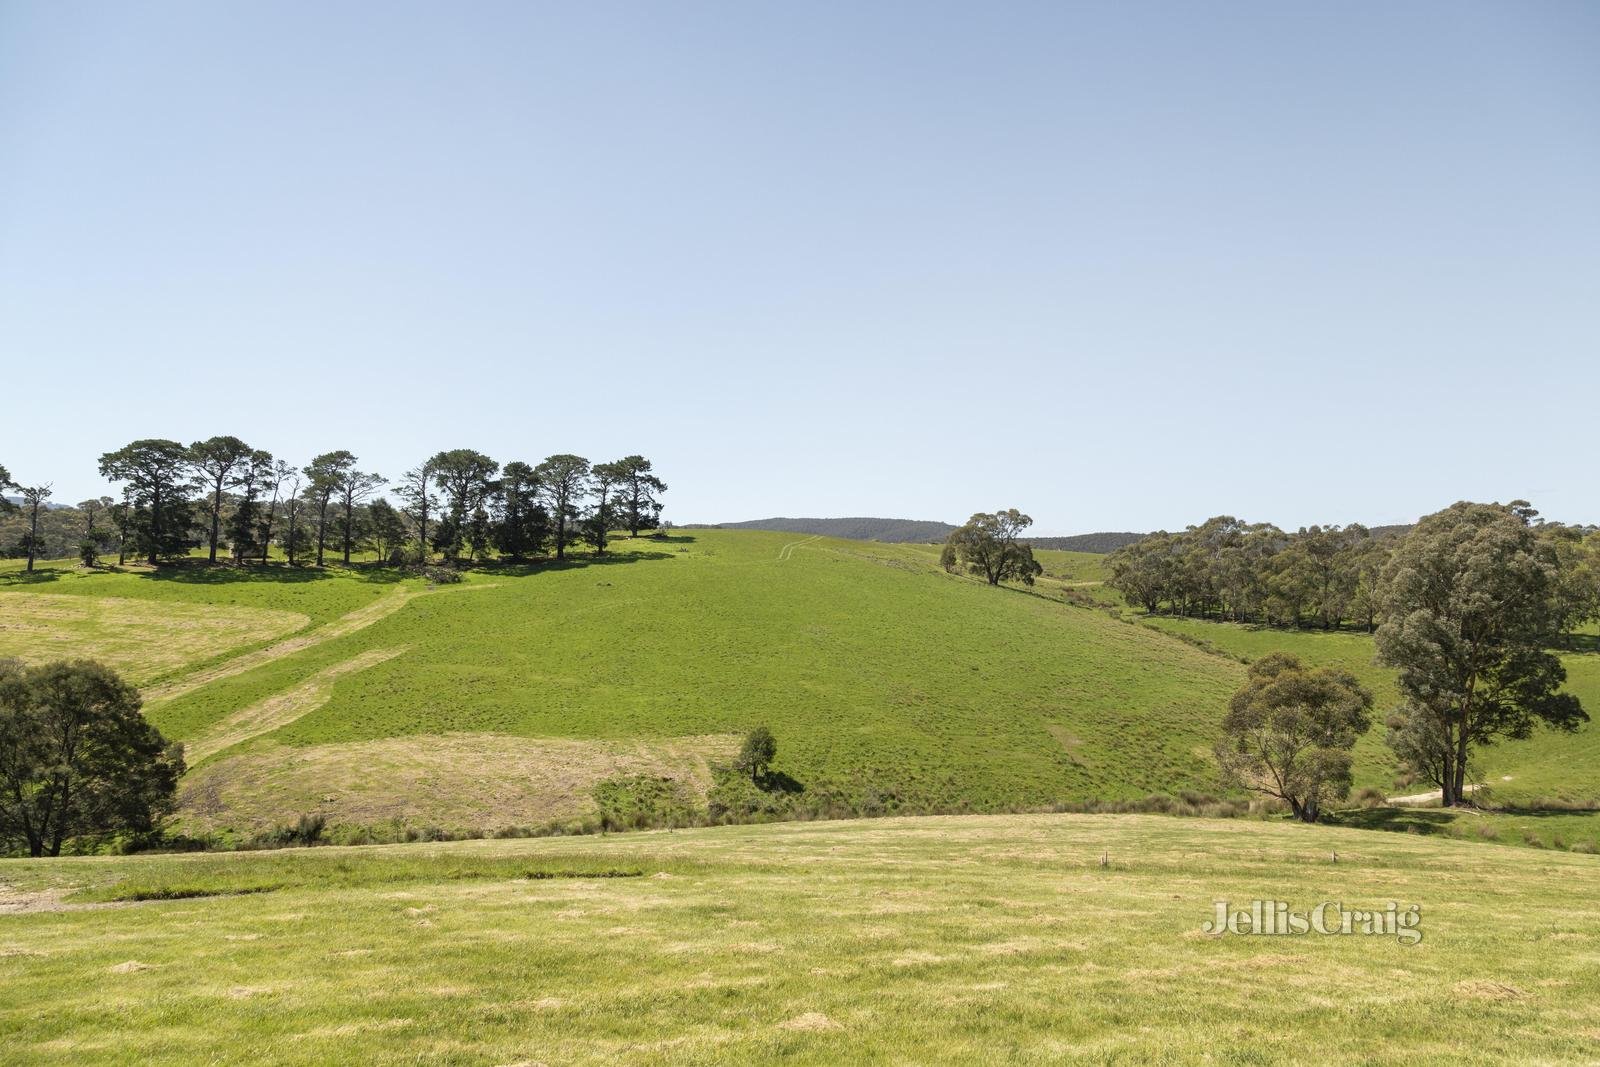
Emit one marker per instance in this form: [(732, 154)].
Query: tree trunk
[(216, 519), (33, 534), (155, 524)]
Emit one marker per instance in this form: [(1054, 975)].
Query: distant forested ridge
[(1102, 543)]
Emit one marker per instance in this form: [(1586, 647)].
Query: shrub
[(733, 797), (639, 801), (308, 831), (440, 575), (1370, 797)]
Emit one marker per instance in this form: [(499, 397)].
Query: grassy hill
[(858, 528), (979, 939), (504, 699)]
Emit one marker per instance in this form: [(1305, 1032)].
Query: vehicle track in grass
[(786, 553), (280, 709), (349, 623)]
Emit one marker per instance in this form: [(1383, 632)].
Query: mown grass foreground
[(957, 939)]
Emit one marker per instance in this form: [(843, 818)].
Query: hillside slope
[(504, 699), (858, 528)]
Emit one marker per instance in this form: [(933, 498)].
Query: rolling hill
[(502, 701), (893, 531), (915, 531)]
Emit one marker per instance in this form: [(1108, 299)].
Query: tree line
[(1323, 576), (239, 502), (1469, 604)]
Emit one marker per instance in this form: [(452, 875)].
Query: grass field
[(882, 677), (953, 940), (1550, 764), (501, 701)]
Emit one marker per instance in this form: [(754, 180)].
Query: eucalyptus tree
[(639, 500), (217, 463), (33, 498), (100, 505), (76, 757), (294, 537), (563, 481), (988, 545), (1290, 731), (1471, 605), (414, 491), (94, 539), (276, 475), (6, 483), (155, 473)]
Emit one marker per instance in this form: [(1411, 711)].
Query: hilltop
[(892, 531), (915, 531)]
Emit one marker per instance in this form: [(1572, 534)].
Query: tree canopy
[(988, 546), (1289, 732), (76, 757), (1472, 601)]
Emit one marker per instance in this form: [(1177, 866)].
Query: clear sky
[(1122, 265)]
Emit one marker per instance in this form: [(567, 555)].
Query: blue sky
[(1120, 265)]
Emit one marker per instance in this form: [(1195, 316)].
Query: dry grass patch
[(143, 639), (457, 781)]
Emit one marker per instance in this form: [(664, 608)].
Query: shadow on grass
[(24, 578), (1401, 820), (520, 568), (198, 572)]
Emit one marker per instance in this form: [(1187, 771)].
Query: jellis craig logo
[(1276, 918)]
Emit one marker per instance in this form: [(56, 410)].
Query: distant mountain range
[(915, 531)]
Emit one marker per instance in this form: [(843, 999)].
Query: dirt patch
[(457, 781), (280, 709), (17, 902), (1485, 989), (130, 967), (810, 1021)]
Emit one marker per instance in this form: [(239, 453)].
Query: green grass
[(883, 677), (1549, 765), (505, 699), (982, 939)]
